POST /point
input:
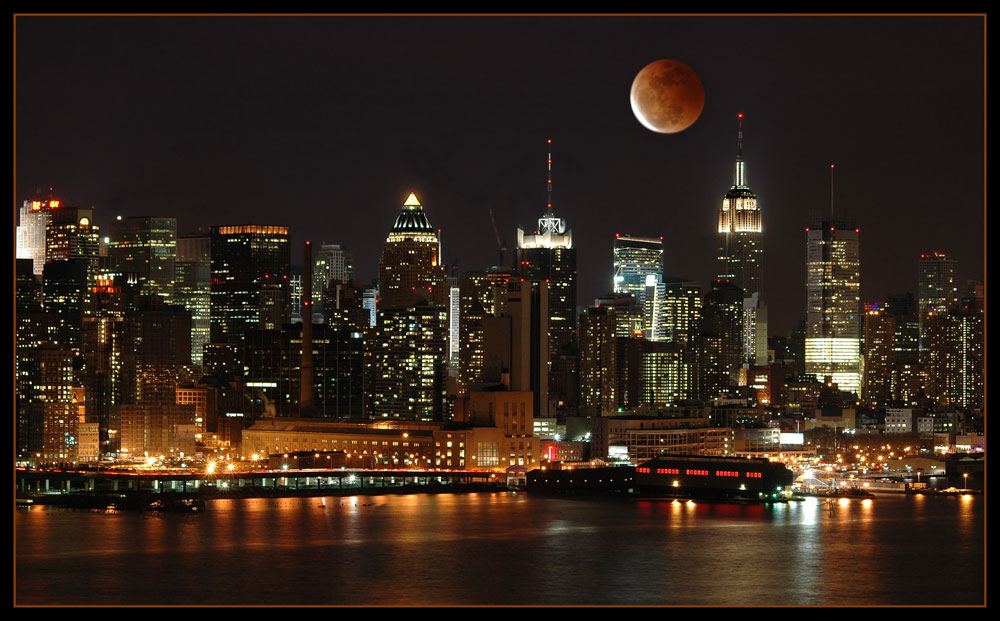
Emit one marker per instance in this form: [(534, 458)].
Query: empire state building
[(741, 254), (740, 235)]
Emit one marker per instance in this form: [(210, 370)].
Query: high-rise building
[(333, 264), (249, 280), (34, 216), (66, 293), (192, 288), (682, 303), (548, 255), (454, 319), (937, 287), (906, 339), (880, 356), (148, 247), (754, 331), (955, 353), (720, 339), (410, 271), (409, 354), (409, 363), (598, 369), (106, 348), (71, 233), (833, 302), (741, 255), (526, 305), (635, 259)]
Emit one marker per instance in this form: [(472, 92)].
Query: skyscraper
[(833, 302), (408, 360), (71, 233), (34, 215), (740, 232), (410, 271), (741, 256), (147, 247), (548, 255), (192, 288), (635, 259), (249, 280), (880, 358), (937, 287)]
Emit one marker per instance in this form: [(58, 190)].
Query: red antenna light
[(740, 115)]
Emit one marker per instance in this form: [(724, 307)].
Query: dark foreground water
[(508, 549)]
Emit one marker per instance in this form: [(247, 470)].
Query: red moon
[(667, 96)]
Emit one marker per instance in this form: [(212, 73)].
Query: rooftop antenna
[(740, 180), (831, 194), (549, 185), (549, 223)]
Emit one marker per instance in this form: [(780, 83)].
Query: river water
[(508, 548)]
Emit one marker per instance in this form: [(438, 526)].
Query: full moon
[(667, 96)]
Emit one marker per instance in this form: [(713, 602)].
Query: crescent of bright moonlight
[(667, 96)]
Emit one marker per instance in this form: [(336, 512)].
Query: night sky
[(324, 124)]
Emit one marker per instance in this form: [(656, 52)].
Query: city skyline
[(196, 123)]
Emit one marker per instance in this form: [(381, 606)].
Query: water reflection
[(501, 548)]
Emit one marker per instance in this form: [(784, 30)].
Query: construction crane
[(502, 245)]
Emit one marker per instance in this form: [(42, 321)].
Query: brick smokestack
[(306, 380)]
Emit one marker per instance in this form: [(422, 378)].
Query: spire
[(412, 200), (412, 217), (831, 194), (549, 188), (549, 223), (740, 173)]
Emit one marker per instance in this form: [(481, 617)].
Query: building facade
[(833, 303)]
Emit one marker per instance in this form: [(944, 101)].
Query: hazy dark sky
[(324, 124)]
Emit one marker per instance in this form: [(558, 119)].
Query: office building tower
[(720, 339), (148, 247), (741, 255), (955, 353), (526, 305), (249, 280), (408, 359), (71, 233), (833, 302), (33, 217), (906, 338), (937, 287), (370, 303), (598, 368), (654, 308), (880, 356), (192, 288), (754, 331), (345, 306), (682, 303), (150, 419), (668, 375), (410, 270), (740, 231), (635, 259), (454, 319), (333, 264), (66, 293), (106, 347), (548, 255), (409, 363), (34, 330)]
